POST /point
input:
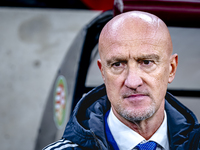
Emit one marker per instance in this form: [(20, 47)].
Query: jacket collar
[(181, 123)]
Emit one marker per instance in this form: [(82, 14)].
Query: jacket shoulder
[(62, 144)]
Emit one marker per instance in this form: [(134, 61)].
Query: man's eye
[(117, 64), (147, 62)]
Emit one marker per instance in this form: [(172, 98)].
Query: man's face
[(136, 70)]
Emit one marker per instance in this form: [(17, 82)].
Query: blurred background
[(35, 36)]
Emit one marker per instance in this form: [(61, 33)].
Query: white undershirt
[(127, 139)]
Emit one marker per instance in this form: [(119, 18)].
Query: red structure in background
[(185, 13), (99, 4)]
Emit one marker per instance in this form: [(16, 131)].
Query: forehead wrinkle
[(134, 42)]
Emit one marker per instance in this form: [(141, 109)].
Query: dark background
[(72, 4)]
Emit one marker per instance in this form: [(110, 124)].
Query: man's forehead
[(132, 46), (133, 27), (137, 49)]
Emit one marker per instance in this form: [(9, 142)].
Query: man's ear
[(173, 67), (99, 63)]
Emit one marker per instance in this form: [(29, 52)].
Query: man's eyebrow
[(111, 60), (150, 56)]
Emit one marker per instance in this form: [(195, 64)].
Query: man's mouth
[(135, 95), (136, 98), (129, 95)]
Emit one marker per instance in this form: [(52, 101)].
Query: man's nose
[(133, 79)]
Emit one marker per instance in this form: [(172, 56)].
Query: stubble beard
[(136, 115)]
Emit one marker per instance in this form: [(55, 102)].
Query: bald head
[(133, 26)]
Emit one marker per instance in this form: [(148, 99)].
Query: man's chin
[(138, 114)]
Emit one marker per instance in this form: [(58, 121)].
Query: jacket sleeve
[(62, 144)]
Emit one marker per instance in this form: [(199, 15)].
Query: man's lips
[(136, 99), (135, 95)]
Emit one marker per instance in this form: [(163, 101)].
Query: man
[(132, 110)]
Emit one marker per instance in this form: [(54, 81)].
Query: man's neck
[(146, 128)]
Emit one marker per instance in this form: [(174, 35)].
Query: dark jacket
[(85, 129)]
